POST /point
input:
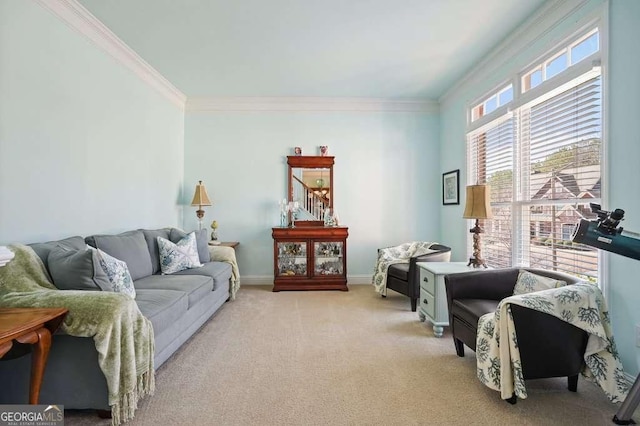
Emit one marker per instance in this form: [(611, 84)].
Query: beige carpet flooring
[(339, 358)]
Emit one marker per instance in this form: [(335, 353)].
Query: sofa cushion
[(130, 247), (43, 249), (219, 271), (162, 307), (195, 286), (399, 270), (150, 235), (202, 240), (72, 269), (529, 282), (175, 257), (471, 309)]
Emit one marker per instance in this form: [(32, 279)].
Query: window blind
[(543, 163), (561, 175), (491, 160)]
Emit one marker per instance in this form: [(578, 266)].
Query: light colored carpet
[(339, 358)]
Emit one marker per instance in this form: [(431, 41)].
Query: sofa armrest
[(443, 254)]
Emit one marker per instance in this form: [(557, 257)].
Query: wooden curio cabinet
[(310, 258)]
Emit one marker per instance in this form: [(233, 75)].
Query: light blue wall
[(623, 144), (85, 145), (624, 173), (386, 177)]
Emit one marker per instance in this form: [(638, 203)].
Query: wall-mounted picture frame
[(451, 188)]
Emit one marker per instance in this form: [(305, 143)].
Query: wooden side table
[(30, 326), (232, 244)]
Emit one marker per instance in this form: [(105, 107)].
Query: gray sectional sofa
[(177, 305)]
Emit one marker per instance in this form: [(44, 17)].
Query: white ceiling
[(324, 48)]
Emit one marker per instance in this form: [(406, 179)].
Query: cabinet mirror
[(311, 186)]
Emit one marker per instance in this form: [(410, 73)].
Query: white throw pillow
[(528, 283), (180, 256), (118, 274)]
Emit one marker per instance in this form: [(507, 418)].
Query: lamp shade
[(200, 198), (477, 205)]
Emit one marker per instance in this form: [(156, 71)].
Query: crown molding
[(300, 104), (520, 39), (80, 19)]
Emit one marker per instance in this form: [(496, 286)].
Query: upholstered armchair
[(549, 347), (405, 277)]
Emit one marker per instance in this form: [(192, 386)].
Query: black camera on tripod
[(608, 221)]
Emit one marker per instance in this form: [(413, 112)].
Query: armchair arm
[(544, 353), (484, 284), (443, 254)]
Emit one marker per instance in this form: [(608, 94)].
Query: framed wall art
[(451, 187)]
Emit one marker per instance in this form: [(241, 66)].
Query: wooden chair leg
[(414, 304), (573, 383), (459, 347)]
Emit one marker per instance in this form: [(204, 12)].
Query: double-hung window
[(541, 154)]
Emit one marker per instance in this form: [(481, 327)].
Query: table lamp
[(200, 198), (477, 206)]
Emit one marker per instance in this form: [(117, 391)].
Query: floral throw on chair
[(498, 358)]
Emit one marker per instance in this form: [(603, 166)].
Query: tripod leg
[(623, 416)]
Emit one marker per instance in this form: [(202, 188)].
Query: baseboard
[(268, 279), (358, 279), (256, 280)]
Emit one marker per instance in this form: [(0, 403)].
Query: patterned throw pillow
[(118, 274), (180, 256), (528, 283)]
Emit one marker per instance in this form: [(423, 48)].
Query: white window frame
[(596, 62), (496, 92), (568, 45)]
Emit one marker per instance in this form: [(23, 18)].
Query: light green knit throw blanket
[(122, 335)]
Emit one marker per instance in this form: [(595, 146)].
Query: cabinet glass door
[(292, 258), (328, 258)]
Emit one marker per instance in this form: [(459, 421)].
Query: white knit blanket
[(582, 305), (392, 255)]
